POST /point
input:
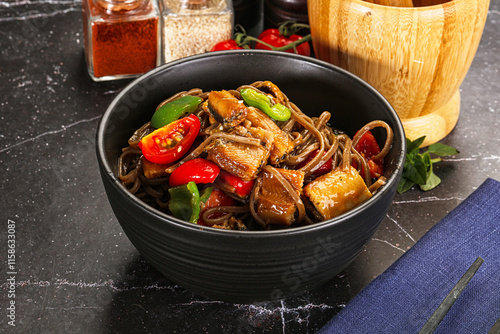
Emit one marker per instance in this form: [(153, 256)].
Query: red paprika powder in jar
[(121, 37)]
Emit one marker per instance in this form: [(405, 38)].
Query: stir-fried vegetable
[(215, 199), (185, 202), (241, 188), (173, 110), (323, 169), (368, 147), (250, 169), (260, 100), (198, 170), (170, 142)]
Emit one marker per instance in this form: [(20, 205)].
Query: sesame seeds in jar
[(194, 26)]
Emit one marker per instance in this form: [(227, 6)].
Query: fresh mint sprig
[(418, 166)]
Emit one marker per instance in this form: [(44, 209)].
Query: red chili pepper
[(241, 188), (368, 147), (323, 169), (376, 168), (274, 38), (197, 170), (229, 44), (169, 143), (217, 198)]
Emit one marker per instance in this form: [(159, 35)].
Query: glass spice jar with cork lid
[(121, 37), (194, 26)]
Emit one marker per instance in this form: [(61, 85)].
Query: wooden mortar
[(416, 53)]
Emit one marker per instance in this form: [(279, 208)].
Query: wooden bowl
[(415, 53)]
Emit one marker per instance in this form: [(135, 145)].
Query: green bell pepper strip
[(185, 201), (260, 100), (174, 110), (206, 194)]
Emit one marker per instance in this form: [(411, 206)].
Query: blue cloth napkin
[(402, 298)]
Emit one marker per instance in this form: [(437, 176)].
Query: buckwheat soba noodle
[(250, 159)]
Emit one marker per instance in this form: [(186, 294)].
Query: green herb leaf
[(415, 169), (412, 147), (432, 182), (418, 166), (405, 185), (442, 150), (426, 158)]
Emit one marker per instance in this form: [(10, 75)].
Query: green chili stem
[(292, 45), (285, 29), (241, 37), (288, 28)]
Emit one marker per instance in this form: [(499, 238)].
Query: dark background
[(76, 272)]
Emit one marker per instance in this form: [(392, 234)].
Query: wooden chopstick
[(496, 328), (438, 315)]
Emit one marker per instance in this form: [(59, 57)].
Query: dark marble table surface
[(76, 272)]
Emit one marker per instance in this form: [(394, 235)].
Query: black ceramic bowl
[(260, 265)]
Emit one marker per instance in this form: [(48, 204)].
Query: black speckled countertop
[(76, 272)]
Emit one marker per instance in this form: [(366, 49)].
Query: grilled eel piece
[(337, 192), (275, 206), (226, 109)]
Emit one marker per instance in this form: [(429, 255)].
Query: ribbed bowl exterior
[(237, 266)]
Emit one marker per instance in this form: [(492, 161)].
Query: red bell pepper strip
[(217, 198), (170, 142), (368, 147), (323, 169), (241, 188), (197, 170)]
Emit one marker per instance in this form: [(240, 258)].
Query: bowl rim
[(115, 182)]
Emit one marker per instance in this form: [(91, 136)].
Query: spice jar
[(249, 14), (121, 37), (279, 11), (194, 26)]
